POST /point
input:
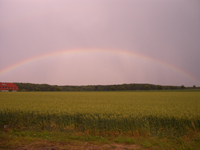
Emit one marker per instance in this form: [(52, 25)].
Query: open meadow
[(160, 114)]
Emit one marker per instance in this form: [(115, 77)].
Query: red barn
[(4, 87)]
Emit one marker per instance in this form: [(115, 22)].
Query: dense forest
[(121, 87)]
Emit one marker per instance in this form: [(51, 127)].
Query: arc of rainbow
[(99, 50)]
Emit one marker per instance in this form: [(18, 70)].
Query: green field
[(101, 113)]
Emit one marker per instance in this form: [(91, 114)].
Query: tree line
[(120, 87)]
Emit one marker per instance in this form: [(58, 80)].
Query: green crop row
[(98, 123), (167, 113)]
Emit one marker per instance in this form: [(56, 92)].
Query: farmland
[(101, 113)]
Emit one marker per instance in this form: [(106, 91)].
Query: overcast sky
[(165, 35)]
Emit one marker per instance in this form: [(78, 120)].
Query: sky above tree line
[(100, 42)]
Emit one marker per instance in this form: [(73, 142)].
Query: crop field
[(101, 113)]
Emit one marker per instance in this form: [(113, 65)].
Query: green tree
[(37, 89), (58, 89), (23, 90), (159, 87), (99, 89), (10, 90), (112, 88), (182, 87), (147, 87), (194, 86)]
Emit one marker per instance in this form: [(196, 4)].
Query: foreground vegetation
[(46, 140), (174, 115)]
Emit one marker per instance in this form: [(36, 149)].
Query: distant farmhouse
[(5, 87)]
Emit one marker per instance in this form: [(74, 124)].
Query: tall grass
[(156, 113)]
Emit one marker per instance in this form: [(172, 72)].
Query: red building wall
[(7, 86)]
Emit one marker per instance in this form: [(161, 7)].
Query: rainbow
[(78, 51)]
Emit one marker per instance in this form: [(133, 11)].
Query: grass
[(151, 103), (14, 139), (152, 120)]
